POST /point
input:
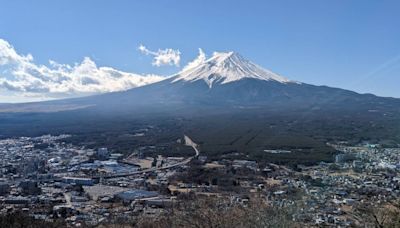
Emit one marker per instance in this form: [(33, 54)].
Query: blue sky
[(348, 44)]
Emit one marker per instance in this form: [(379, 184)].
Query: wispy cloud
[(167, 56), (19, 74), (201, 58)]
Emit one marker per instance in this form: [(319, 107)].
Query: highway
[(188, 142)]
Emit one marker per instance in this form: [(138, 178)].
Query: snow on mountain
[(225, 67)]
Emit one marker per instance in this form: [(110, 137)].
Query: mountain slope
[(229, 105), (224, 68), (224, 80), (229, 80)]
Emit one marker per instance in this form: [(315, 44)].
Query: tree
[(383, 216), (209, 212)]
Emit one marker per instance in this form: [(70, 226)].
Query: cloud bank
[(20, 75), (162, 57)]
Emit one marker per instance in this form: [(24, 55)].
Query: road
[(188, 142)]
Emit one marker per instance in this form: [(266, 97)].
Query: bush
[(209, 212), (19, 220)]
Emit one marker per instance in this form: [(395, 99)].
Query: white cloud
[(167, 56), (8, 55), (20, 75), (201, 58)]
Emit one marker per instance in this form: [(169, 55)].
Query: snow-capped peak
[(225, 67)]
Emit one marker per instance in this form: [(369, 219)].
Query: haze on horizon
[(66, 49)]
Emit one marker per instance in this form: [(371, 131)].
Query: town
[(48, 179)]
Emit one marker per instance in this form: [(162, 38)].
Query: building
[(202, 159), (102, 154), (29, 187), (346, 157), (78, 181), (17, 200), (4, 189), (358, 165), (131, 195), (245, 164)]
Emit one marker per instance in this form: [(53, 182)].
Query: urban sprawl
[(48, 179)]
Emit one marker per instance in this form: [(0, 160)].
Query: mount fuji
[(225, 80), (228, 80)]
